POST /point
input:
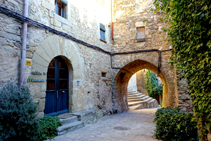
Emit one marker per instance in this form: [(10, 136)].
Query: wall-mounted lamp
[(170, 47)]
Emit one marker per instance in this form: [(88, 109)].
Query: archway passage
[(144, 90), (123, 77), (57, 87)]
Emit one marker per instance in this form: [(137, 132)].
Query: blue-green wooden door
[(57, 87)]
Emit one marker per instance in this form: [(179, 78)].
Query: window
[(103, 74), (102, 33), (140, 34), (60, 7)]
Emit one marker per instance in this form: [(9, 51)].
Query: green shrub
[(48, 127), (172, 125), (150, 83), (17, 114)]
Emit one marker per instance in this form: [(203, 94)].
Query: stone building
[(74, 57)]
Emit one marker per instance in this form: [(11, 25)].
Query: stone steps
[(69, 127), (133, 100), (136, 107), (73, 121), (135, 103), (138, 100), (69, 120)]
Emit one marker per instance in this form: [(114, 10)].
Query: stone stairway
[(73, 121), (138, 100)]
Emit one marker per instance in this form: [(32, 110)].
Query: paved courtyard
[(140, 123)]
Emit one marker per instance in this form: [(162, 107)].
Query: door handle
[(57, 94)]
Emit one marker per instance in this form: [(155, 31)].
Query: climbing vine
[(189, 28), (151, 84)]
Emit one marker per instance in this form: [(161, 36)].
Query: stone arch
[(130, 64), (50, 48)]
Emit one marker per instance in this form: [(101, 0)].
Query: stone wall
[(128, 16), (140, 76), (183, 94), (87, 89), (10, 44)]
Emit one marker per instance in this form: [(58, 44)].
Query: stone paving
[(140, 123)]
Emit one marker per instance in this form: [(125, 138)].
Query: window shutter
[(65, 11), (102, 27), (56, 8)]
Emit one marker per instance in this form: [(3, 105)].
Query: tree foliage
[(17, 114), (189, 28)]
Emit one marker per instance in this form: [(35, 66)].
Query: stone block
[(140, 24), (66, 27), (40, 51), (48, 5), (32, 49), (36, 100), (87, 116), (29, 54), (38, 67), (43, 87), (39, 60), (47, 49), (54, 45), (56, 23), (41, 106), (40, 95), (40, 115), (10, 36)]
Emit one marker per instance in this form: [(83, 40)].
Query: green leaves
[(17, 114), (151, 84), (190, 35), (173, 125), (48, 128)]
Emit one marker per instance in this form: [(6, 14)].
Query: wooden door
[(57, 87)]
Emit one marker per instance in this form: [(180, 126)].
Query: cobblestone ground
[(140, 123)]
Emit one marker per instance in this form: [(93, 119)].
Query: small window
[(140, 34), (102, 33), (61, 7), (103, 74)]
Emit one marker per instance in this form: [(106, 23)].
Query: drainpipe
[(24, 38), (112, 26)]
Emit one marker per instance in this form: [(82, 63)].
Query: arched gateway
[(122, 78)]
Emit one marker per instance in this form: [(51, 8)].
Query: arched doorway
[(57, 87)]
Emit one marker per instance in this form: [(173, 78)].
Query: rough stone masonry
[(91, 81)]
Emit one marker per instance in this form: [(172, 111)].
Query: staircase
[(138, 100), (73, 121)]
